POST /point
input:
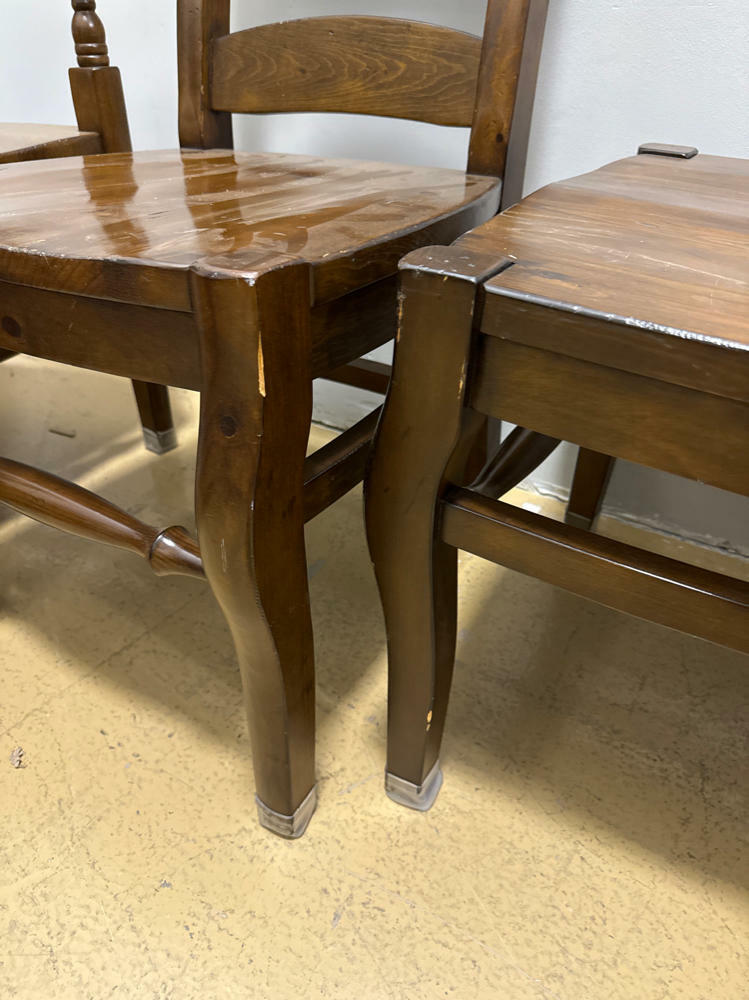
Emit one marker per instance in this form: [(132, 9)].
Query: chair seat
[(40, 142), (129, 226), (615, 244)]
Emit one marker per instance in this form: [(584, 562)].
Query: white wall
[(614, 73)]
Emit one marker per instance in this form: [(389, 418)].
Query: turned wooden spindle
[(88, 34), (61, 504)]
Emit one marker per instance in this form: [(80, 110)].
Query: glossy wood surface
[(246, 276), (93, 224), (61, 504)]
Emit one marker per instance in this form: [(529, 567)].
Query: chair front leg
[(424, 441), (256, 408)]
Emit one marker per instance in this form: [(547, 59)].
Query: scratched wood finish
[(92, 226), (246, 276), (358, 65), (631, 262), (631, 257)]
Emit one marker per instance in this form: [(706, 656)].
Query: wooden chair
[(102, 127), (246, 276), (627, 333)]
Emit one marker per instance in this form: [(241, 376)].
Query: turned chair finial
[(88, 34)]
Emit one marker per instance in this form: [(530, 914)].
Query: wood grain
[(60, 504), (129, 226), (357, 65), (199, 23)]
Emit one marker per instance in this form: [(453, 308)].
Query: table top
[(652, 242)]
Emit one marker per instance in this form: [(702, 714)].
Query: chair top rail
[(357, 65)]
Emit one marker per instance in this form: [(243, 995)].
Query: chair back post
[(96, 86), (199, 23), (510, 56)]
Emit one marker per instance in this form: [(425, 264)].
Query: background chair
[(246, 276), (102, 128)]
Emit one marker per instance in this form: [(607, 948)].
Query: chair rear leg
[(592, 474), (155, 412)]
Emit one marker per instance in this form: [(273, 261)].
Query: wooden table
[(610, 310)]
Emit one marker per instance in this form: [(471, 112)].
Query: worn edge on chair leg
[(292, 826), (406, 793)]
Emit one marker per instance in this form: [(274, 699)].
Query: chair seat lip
[(172, 209)]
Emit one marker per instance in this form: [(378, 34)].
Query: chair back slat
[(367, 65), (359, 65)]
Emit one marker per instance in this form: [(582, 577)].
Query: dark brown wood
[(513, 35), (552, 394), (88, 34), (199, 24), (416, 573), (517, 456), (356, 65), (334, 469), (586, 252), (256, 408), (155, 416), (374, 376), (592, 474), (20, 142), (245, 276), (133, 341), (631, 263), (61, 504), (92, 230), (659, 589)]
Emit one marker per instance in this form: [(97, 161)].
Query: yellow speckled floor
[(590, 841)]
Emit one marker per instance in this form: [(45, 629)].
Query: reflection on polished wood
[(246, 276), (169, 210)]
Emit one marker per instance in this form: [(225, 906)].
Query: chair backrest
[(95, 85), (371, 66)]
